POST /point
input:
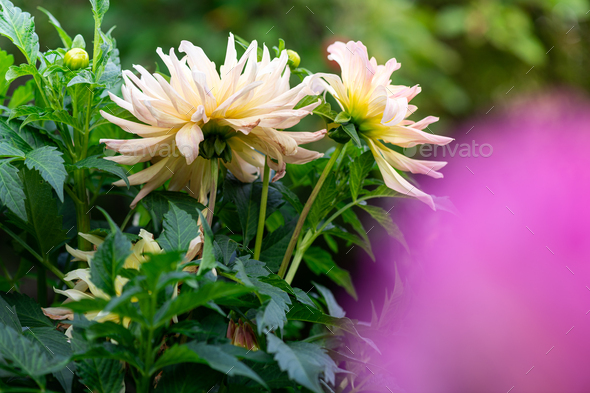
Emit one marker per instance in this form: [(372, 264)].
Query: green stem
[(306, 208), (127, 218), (38, 257), (295, 264), (262, 215), (213, 189), (41, 286), (82, 210)]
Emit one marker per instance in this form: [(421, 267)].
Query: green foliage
[(179, 230), (19, 27), (11, 189)]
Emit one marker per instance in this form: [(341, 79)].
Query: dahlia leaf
[(20, 70), (47, 160), (179, 230), (11, 189), (65, 38), (19, 27), (97, 162), (351, 238), (304, 362), (7, 150), (320, 261), (385, 220), (359, 169), (28, 311), (351, 131), (109, 260)]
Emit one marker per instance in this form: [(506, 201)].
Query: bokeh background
[(482, 303)]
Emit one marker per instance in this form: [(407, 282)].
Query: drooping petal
[(188, 139)]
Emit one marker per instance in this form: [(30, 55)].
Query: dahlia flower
[(85, 289), (379, 110), (200, 115)]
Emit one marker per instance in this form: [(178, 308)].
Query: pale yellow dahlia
[(201, 114), (85, 289), (379, 110)]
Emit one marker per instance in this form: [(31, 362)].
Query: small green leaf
[(320, 262), (101, 375), (8, 316), (11, 189), (47, 160), (65, 38), (351, 131), (342, 118), (20, 70), (158, 204), (99, 8), (384, 219), (97, 162), (324, 201), (352, 238)]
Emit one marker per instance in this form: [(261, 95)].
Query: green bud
[(294, 59), (219, 146), (76, 59)]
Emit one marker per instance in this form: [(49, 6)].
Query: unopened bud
[(294, 59), (76, 59)]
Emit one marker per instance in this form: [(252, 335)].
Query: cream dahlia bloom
[(85, 289), (202, 114), (379, 110)]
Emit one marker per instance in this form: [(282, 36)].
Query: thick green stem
[(213, 189), (42, 286), (262, 215), (306, 209), (295, 264)]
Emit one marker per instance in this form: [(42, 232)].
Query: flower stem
[(213, 189), (306, 209), (262, 215), (295, 265)]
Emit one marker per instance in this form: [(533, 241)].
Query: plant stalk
[(295, 264), (262, 215), (213, 190), (306, 209)]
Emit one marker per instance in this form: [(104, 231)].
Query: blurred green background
[(465, 54)]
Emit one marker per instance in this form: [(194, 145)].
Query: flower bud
[(294, 59), (76, 58)]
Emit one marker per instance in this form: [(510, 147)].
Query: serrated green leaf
[(65, 38), (211, 355), (6, 61), (45, 223), (109, 260), (7, 150), (385, 220), (56, 347), (320, 262), (27, 357), (158, 204), (334, 308), (28, 311), (19, 27), (18, 71), (179, 230), (83, 76), (189, 300), (23, 139), (101, 375), (304, 362), (11, 190), (47, 160), (97, 162), (359, 169)]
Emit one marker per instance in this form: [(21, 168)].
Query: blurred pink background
[(490, 297)]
